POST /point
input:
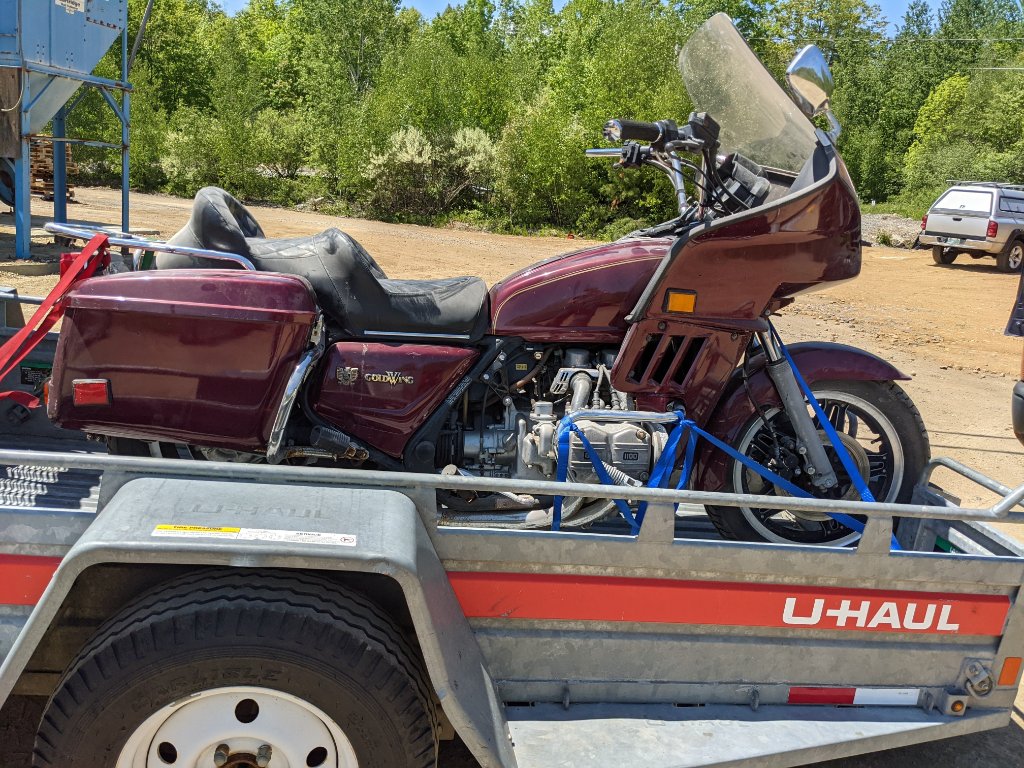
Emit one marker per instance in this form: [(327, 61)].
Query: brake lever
[(693, 146)]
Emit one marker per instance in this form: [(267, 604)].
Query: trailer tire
[(943, 256), (315, 657)]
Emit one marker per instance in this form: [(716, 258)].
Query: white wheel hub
[(238, 727)]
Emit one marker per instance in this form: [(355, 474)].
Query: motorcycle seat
[(355, 294)]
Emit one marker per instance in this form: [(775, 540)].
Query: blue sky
[(892, 9)]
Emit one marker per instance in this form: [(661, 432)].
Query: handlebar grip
[(631, 130)]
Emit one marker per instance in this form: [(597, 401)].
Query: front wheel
[(223, 668), (879, 426)]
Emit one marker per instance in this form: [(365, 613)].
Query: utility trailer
[(536, 648)]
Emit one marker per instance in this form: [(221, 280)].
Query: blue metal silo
[(48, 50)]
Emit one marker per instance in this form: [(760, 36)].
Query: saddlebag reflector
[(197, 356)]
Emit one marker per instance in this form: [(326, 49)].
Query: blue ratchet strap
[(781, 482), (833, 437), (668, 459), (664, 469)]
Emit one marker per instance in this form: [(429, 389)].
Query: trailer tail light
[(46, 392), (993, 229), (90, 391), (924, 222), (1010, 671)]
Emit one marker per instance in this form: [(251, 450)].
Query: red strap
[(24, 341)]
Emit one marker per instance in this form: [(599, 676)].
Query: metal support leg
[(23, 180), (60, 169), (125, 122)]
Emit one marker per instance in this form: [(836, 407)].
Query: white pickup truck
[(978, 219)]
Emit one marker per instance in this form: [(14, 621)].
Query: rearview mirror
[(810, 80)]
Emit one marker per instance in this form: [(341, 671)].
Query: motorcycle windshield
[(725, 79)]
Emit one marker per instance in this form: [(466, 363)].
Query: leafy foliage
[(483, 112)]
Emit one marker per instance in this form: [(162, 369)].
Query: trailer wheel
[(944, 256), (224, 668)]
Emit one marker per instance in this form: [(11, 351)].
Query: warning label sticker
[(70, 5), (255, 534)]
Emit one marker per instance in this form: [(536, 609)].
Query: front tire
[(943, 256), (239, 663), (879, 425), (1011, 259)]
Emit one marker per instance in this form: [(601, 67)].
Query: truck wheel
[(1010, 260), (879, 426), (224, 668), (944, 256)]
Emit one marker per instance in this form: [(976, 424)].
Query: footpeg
[(338, 442)]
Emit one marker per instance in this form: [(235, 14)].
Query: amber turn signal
[(680, 301), (90, 391)]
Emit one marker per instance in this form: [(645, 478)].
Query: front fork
[(809, 444)]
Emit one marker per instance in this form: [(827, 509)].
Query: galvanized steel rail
[(417, 481)]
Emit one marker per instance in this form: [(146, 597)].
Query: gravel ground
[(876, 228)]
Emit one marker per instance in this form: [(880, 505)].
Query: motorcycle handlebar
[(632, 130)]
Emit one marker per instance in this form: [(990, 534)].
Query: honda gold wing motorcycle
[(234, 346)]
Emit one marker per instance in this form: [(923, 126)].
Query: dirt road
[(941, 325)]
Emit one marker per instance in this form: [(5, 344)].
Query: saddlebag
[(191, 356)]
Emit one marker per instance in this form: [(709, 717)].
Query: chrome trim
[(291, 391), (393, 334), (120, 239)]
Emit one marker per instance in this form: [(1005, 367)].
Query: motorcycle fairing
[(800, 242), (355, 294)]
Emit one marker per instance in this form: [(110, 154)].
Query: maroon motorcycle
[(234, 346)]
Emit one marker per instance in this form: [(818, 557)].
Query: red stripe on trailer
[(561, 597), (821, 695), (867, 697), (24, 578)]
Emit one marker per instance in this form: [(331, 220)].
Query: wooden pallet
[(42, 169)]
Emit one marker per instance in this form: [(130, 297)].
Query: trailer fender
[(816, 361), (155, 523)]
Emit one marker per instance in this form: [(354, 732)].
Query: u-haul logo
[(868, 614), (571, 597)]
